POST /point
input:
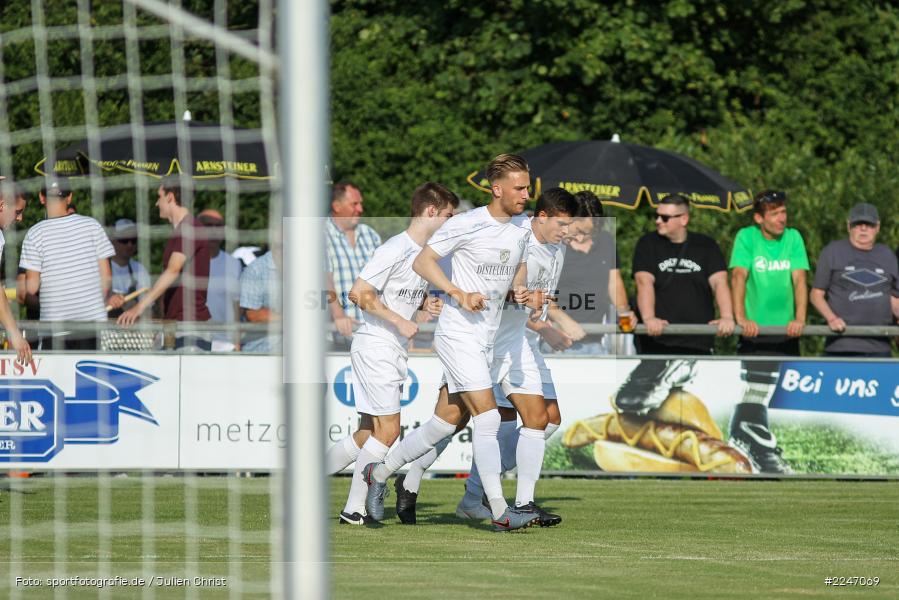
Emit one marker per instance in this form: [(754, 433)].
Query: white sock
[(417, 469), (414, 446), (531, 444), (474, 491), (508, 442), (372, 451), (487, 459), (340, 455), (551, 428), (507, 436)]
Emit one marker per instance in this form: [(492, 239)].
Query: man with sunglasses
[(680, 277), (768, 278), (128, 275), (857, 283)]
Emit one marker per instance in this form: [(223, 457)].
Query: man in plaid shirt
[(350, 245)]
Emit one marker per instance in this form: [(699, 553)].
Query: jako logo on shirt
[(343, 387), (762, 264)]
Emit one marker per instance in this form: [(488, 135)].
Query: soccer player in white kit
[(389, 293), (523, 382), (489, 247)]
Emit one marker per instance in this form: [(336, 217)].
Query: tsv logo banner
[(37, 419)]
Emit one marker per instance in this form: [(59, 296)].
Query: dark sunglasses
[(860, 223), (131, 241), (666, 218), (772, 197)]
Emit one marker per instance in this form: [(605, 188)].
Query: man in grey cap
[(128, 275), (857, 283)]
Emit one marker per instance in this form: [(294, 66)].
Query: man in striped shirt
[(350, 245), (66, 258)]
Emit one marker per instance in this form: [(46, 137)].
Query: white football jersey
[(486, 254), (544, 268), (401, 290)]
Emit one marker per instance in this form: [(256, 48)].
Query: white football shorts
[(522, 371), (379, 373), (466, 363)]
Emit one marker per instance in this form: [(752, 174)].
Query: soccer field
[(619, 539), (634, 539)]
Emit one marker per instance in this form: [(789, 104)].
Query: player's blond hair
[(505, 163)]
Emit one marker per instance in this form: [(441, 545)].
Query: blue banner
[(864, 388), (37, 419)]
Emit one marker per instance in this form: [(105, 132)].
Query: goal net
[(142, 461)]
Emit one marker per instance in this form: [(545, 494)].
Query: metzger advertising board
[(231, 413)]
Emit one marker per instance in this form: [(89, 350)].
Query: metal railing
[(143, 336), (157, 335)]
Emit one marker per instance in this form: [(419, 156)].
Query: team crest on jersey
[(504, 256)]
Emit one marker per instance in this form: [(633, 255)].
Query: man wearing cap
[(66, 258), (857, 283), (128, 275)]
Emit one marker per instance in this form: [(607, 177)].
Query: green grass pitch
[(634, 539), (640, 538)]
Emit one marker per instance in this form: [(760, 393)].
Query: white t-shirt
[(544, 267), (486, 255), (401, 290), (66, 251), (223, 290), (123, 277)]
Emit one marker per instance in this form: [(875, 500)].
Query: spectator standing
[(857, 283), (66, 258), (223, 291), (680, 277), (14, 191), (182, 284), (260, 301), (350, 244), (590, 284), (768, 280), (128, 275), (769, 265), (12, 205)]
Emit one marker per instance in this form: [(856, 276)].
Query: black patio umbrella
[(624, 174), (160, 152)]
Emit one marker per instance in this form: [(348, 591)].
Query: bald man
[(223, 292)]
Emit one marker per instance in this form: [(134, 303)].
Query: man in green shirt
[(768, 278)]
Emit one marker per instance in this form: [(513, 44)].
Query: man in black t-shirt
[(680, 277)]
